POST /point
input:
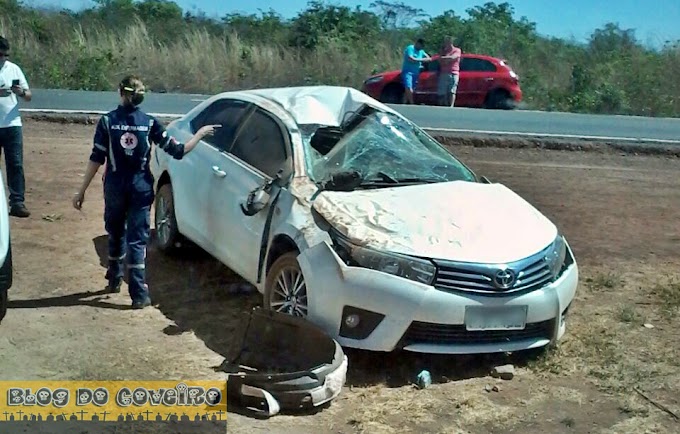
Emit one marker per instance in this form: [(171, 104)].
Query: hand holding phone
[(16, 88)]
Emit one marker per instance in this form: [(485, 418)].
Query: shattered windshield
[(380, 147)]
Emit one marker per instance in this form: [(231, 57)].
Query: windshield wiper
[(391, 180), (420, 180)]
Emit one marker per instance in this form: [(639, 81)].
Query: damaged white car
[(340, 210)]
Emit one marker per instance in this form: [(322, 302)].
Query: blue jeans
[(127, 221), (11, 141)]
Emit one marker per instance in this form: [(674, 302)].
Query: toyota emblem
[(504, 279)]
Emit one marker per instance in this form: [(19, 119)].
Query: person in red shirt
[(449, 70)]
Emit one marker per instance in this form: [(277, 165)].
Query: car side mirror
[(485, 180), (259, 198), (256, 202)]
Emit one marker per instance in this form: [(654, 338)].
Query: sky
[(654, 21)]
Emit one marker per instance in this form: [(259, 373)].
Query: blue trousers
[(127, 221), (11, 141)]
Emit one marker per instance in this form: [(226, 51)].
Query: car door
[(260, 150), (195, 176), (476, 78), (426, 90)]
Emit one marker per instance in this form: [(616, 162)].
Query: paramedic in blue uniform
[(123, 140)]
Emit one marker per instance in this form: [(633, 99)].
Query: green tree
[(320, 21), (268, 27)]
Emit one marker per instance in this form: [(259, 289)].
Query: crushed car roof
[(321, 105)]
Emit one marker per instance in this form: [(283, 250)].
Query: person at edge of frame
[(123, 140), (13, 85)]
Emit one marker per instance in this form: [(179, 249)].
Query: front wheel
[(393, 94), (167, 235), (285, 289), (500, 100)]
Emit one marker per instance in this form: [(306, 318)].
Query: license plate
[(495, 318)]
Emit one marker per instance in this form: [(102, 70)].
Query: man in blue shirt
[(414, 55)]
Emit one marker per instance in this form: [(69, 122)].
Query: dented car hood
[(457, 221)]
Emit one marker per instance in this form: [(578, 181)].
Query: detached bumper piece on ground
[(284, 363)]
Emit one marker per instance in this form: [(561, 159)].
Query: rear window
[(476, 65)]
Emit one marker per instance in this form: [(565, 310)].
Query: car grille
[(443, 334), (532, 273)]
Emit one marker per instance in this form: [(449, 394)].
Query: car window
[(225, 112), (261, 144), (476, 65), (431, 66)]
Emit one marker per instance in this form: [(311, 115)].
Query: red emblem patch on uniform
[(128, 141)]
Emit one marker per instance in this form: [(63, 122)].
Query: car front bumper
[(395, 313), (516, 94)]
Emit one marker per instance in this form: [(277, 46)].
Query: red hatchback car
[(485, 82)]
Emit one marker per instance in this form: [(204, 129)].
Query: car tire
[(285, 289), (4, 301), (6, 280), (393, 94), (499, 100), (165, 222)]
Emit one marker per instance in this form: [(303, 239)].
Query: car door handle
[(489, 79), (219, 172)]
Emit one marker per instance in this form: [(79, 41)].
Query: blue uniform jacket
[(123, 140)]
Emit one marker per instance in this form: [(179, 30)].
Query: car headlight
[(374, 80), (416, 269), (556, 255)]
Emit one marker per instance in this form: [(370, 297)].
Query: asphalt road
[(441, 119)]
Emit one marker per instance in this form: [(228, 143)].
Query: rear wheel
[(167, 235)]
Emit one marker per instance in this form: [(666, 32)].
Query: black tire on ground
[(167, 234), (6, 277), (500, 100), (3, 304), (286, 269), (392, 94)]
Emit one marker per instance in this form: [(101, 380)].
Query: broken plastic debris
[(424, 379), (284, 362)]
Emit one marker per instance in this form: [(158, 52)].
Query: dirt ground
[(620, 214)]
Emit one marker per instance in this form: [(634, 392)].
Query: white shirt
[(9, 104)]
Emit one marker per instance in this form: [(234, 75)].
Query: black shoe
[(19, 210), (141, 304), (114, 287)]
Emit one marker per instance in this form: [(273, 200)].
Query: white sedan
[(340, 210)]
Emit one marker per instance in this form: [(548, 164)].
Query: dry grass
[(603, 281), (411, 411), (607, 340), (668, 293), (196, 63)]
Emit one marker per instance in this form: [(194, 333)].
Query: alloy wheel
[(289, 294)]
